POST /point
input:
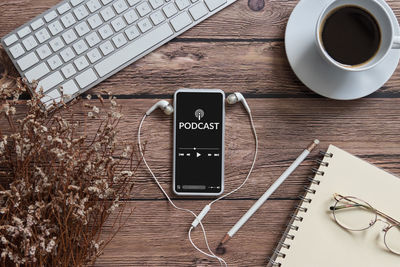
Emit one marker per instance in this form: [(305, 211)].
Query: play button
[(198, 154)]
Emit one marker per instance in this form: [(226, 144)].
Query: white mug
[(388, 38)]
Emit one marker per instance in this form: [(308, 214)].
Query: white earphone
[(164, 105), (167, 108), (238, 97)]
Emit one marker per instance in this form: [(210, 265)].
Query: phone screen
[(199, 142)]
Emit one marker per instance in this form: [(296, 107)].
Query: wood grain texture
[(239, 49), (159, 237), (285, 127), (257, 68)]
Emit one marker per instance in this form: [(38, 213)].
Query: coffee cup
[(355, 35)]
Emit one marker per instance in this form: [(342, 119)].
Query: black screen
[(199, 144)]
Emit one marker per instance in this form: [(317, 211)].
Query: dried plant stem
[(60, 183)]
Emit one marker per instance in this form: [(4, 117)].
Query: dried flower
[(56, 180)]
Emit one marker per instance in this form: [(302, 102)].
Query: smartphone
[(199, 128)]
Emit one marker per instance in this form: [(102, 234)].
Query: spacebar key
[(134, 49)]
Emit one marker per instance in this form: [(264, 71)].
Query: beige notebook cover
[(319, 241)]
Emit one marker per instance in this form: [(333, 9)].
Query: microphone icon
[(199, 114)]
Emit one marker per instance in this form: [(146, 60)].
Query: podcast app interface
[(199, 141)]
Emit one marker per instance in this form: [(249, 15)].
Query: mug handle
[(396, 42)]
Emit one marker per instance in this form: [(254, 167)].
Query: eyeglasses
[(354, 214)]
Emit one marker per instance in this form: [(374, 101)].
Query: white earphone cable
[(211, 255)]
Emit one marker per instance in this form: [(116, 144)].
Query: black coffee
[(351, 35)]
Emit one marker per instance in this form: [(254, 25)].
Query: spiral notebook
[(314, 239)]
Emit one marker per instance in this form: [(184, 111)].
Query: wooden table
[(239, 49)]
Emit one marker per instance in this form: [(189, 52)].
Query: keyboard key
[(37, 24), (80, 47), (68, 20), (82, 28), (181, 21), (17, 50), (182, 4), (131, 16), (50, 81), (119, 40), (133, 49), (143, 9), (81, 63), (43, 51), (107, 13), (68, 71), (55, 27), (118, 24), (29, 43), (54, 62), (198, 11), (105, 31), (50, 16), (132, 33), (93, 5), (10, 40), (86, 78), (133, 2), (37, 72), (69, 88), (69, 36), (157, 17), (106, 48), (28, 61), (43, 35), (56, 44), (170, 10), (92, 39), (144, 25), (81, 12), (51, 97), (76, 2), (120, 6), (63, 8), (24, 32), (214, 4), (95, 21), (94, 55), (67, 54), (156, 3), (105, 2)]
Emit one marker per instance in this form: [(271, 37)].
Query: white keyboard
[(79, 43)]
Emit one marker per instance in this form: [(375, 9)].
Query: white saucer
[(316, 73)]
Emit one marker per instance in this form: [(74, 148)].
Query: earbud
[(238, 97), (163, 105)]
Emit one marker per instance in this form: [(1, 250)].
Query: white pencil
[(269, 192)]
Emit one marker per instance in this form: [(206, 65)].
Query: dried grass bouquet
[(58, 184)]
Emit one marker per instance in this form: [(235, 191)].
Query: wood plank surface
[(285, 126), (257, 69), (156, 234), (239, 49)]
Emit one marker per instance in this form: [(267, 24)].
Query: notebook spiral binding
[(273, 261)]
